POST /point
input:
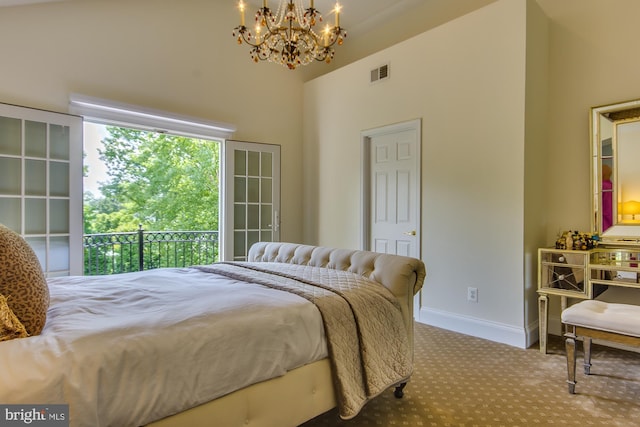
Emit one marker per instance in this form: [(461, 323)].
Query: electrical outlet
[(472, 294)]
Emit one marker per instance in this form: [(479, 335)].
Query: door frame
[(366, 136)]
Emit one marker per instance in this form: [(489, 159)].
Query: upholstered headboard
[(403, 276)]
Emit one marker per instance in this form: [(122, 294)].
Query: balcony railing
[(112, 253)]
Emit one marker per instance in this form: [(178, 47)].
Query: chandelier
[(288, 36)]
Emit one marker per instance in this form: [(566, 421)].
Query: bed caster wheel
[(399, 391)]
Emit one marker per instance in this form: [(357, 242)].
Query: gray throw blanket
[(366, 336)]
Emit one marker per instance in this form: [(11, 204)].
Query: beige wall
[(579, 54), (535, 157), (379, 32), (162, 54), (591, 63), (466, 81)]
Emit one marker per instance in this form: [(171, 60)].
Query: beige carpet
[(466, 381)]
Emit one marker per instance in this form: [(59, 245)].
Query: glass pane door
[(41, 184), (251, 197)]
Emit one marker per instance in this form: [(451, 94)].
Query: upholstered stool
[(589, 319)]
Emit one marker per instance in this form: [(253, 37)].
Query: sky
[(93, 134)]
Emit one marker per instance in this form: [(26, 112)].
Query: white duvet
[(128, 349)]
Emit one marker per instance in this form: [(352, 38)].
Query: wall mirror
[(615, 172)]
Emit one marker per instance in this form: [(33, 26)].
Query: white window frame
[(114, 113)]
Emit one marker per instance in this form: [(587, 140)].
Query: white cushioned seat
[(604, 316)]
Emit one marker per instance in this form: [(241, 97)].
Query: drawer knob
[(561, 259), (561, 277)]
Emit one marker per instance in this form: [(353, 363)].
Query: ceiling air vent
[(380, 73)]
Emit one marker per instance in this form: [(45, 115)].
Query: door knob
[(410, 233)]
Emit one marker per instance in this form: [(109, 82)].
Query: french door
[(41, 184), (251, 197)]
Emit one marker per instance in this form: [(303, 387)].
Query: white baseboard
[(493, 331), (498, 332)]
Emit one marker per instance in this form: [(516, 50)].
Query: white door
[(41, 184), (393, 214), (251, 197)]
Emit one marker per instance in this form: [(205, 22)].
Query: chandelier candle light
[(288, 37)]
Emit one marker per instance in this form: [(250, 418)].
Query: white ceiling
[(395, 20), (357, 15)]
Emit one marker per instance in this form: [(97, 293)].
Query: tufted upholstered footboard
[(403, 276), (305, 392)]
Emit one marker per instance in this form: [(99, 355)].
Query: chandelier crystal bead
[(288, 37)]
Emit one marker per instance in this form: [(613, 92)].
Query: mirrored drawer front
[(563, 272), (615, 266), (624, 258)]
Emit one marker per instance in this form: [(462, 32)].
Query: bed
[(198, 346)]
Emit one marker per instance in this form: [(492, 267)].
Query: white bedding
[(208, 334)]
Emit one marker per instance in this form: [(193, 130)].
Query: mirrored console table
[(582, 275)]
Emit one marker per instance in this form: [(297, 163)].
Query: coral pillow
[(22, 281)]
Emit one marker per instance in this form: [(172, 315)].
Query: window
[(250, 190), (151, 200)]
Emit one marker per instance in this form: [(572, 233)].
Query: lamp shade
[(630, 207)]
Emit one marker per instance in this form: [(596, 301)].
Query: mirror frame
[(619, 233)]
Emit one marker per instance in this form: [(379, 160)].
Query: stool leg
[(570, 346), (586, 346)]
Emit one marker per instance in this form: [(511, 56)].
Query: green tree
[(163, 182)]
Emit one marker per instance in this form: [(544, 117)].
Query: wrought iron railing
[(112, 253)]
